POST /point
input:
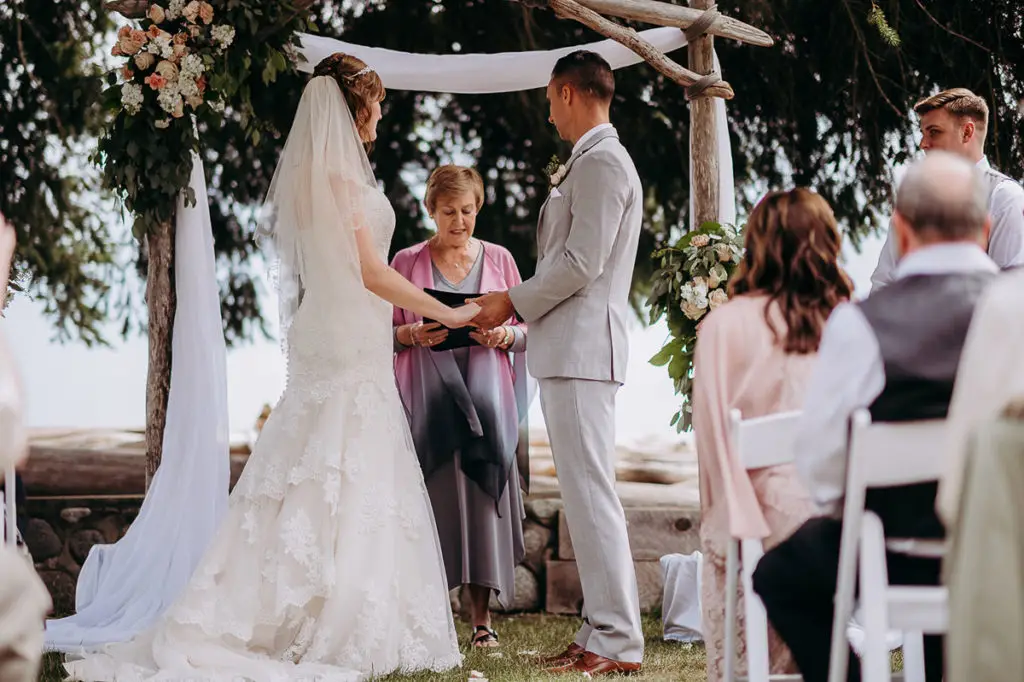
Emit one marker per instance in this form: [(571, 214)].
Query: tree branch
[(129, 9), (949, 30), (664, 14), (867, 57), (570, 9)]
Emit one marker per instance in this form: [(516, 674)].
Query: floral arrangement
[(167, 60), (691, 281), (556, 172), (188, 66)]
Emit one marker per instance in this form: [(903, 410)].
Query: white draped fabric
[(126, 586), (123, 588)]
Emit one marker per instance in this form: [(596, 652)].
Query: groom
[(577, 306)]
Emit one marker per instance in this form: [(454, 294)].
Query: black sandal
[(484, 637)]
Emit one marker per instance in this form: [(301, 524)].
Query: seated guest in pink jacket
[(466, 404), (755, 354)]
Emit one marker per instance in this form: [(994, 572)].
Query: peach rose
[(156, 81), (156, 14), (195, 100), (168, 70), (126, 72), (116, 51), (179, 51), (131, 43), (144, 60), (206, 12), (154, 32), (179, 109), (180, 38), (191, 11), (201, 83), (124, 32)]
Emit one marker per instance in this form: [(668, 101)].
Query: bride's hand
[(461, 316)]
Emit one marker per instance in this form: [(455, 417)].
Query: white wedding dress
[(327, 566)]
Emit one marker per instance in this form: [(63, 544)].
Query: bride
[(327, 566)]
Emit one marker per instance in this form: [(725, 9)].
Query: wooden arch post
[(701, 21)]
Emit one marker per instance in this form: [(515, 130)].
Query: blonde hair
[(959, 102), (452, 180), (360, 84)]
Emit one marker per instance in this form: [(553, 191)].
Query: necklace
[(463, 261)]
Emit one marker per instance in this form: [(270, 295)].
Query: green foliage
[(689, 283), (47, 110), (827, 106), (876, 17)]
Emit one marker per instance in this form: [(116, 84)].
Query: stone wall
[(60, 532)]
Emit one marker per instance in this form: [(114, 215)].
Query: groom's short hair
[(586, 72)]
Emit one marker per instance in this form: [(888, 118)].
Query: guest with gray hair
[(895, 353)]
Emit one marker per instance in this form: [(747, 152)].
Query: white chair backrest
[(880, 455), (895, 453), (764, 441)]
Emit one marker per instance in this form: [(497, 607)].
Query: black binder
[(457, 338)]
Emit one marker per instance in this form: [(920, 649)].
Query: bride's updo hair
[(360, 85)]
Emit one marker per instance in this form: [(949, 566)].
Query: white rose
[(558, 176), (717, 298), (700, 286), (700, 241), (724, 253)]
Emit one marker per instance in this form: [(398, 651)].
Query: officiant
[(465, 395)]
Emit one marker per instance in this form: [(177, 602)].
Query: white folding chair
[(884, 455), (760, 442), (9, 515)]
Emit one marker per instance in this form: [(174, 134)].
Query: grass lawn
[(522, 639)]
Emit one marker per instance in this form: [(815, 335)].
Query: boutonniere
[(555, 171)]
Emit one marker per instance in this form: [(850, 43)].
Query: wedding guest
[(755, 354), (466, 404), (990, 375), (980, 498), (956, 121), (24, 601), (895, 353)]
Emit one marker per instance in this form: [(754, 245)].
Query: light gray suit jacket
[(577, 303)]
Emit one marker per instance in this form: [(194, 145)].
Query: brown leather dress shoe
[(571, 653), (593, 664)]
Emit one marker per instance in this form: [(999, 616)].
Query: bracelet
[(509, 337)]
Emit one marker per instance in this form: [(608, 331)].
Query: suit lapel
[(590, 144)]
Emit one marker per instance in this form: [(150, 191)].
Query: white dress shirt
[(1006, 239), (850, 374), (589, 134)]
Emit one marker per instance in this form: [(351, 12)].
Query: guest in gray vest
[(895, 353), (956, 121)]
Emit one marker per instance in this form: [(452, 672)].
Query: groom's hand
[(495, 309)]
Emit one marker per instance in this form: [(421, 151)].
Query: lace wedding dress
[(327, 567)]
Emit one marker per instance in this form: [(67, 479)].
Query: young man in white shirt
[(956, 121)]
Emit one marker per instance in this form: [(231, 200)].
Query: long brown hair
[(360, 91), (792, 256)]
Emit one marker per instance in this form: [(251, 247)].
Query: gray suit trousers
[(580, 418)]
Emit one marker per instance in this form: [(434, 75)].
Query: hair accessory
[(357, 74)]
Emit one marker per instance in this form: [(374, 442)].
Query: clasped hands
[(489, 314)]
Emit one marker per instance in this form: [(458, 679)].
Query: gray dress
[(482, 541)]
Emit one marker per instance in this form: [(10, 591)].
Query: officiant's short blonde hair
[(452, 180)]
